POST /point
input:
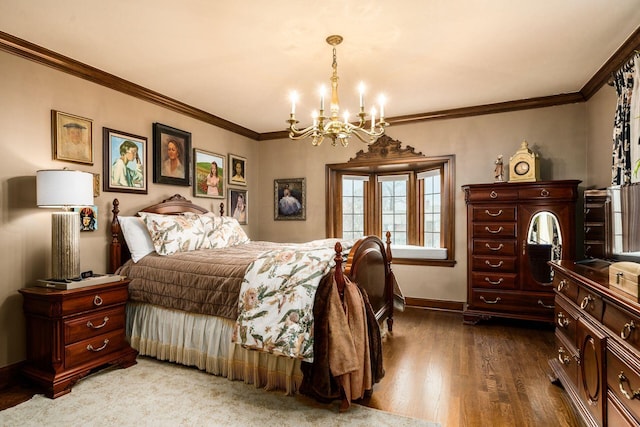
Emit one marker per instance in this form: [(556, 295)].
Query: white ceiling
[(239, 60)]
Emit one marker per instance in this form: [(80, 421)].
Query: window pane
[(400, 188), (358, 188), (358, 204), (347, 188), (347, 222), (352, 208), (400, 204), (387, 205), (347, 205), (432, 209)]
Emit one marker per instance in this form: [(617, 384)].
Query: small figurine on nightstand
[(499, 170)]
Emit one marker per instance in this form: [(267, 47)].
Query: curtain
[(630, 206), (623, 81)]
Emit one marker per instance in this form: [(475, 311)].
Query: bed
[(198, 330)]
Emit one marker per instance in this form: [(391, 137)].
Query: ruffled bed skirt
[(205, 342)]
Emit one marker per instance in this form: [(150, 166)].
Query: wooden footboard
[(368, 263)]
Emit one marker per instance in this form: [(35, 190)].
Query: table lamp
[(65, 189)]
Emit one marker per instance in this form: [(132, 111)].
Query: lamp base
[(65, 245)]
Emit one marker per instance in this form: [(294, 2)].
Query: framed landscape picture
[(208, 174), (171, 155), (237, 170), (72, 138), (238, 205), (124, 162), (290, 199)]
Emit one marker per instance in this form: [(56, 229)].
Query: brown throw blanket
[(319, 379)]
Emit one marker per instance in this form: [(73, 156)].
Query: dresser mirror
[(544, 243)]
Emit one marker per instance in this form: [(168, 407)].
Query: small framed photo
[(237, 170), (88, 217), (171, 155), (238, 205), (208, 174), (124, 162), (72, 138), (290, 199)]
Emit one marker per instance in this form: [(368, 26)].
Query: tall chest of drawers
[(503, 268), (598, 345), (597, 224), (72, 332)]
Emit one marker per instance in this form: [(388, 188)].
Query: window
[(411, 197)]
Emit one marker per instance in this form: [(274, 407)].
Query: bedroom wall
[(29, 92)]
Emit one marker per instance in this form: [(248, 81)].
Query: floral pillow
[(222, 231), (176, 233)]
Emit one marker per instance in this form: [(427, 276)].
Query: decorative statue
[(499, 169)]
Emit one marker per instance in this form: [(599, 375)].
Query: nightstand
[(71, 333)]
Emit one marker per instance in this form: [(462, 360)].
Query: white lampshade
[(64, 188)]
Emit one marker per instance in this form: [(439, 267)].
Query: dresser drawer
[(617, 413), (493, 194), (623, 381), (622, 323), (514, 302), (494, 247), (594, 249), (494, 280), (594, 232), (499, 230), (92, 300), (565, 286), (494, 213), (590, 303), (94, 324), (493, 263), (567, 355), (594, 213), (545, 193), (566, 318), (93, 348)]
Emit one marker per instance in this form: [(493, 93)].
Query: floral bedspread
[(275, 308)]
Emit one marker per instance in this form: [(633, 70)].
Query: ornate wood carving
[(386, 148)]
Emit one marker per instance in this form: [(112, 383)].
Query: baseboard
[(10, 375), (434, 304)]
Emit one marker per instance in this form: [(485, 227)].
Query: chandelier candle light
[(333, 126)]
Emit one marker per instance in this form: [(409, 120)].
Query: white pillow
[(175, 233), (137, 237), (223, 231)]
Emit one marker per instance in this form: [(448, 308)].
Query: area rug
[(154, 393)]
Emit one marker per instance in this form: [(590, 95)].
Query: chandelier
[(333, 126)]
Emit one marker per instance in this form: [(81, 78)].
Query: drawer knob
[(545, 305), (498, 265), (491, 248), (495, 301), (563, 321), (493, 214), (97, 300), (622, 380), (562, 285), (627, 329), (544, 192), (585, 301), (104, 323), (563, 357), (499, 230), (497, 282), (493, 194), (102, 347)]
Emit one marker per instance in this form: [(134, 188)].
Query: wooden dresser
[(597, 224), (72, 332), (503, 269), (598, 345)]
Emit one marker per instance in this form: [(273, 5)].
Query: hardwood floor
[(438, 369)]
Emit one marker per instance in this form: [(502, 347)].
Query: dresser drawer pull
[(587, 230), (500, 246), (90, 347), (490, 302), (493, 214), (563, 357), (562, 285), (563, 321), (626, 331), (585, 301), (104, 323), (622, 379), (544, 192), (544, 305), (498, 265), (97, 300), (499, 230), (586, 211), (500, 280), (493, 194)]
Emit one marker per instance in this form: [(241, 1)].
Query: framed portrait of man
[(171, 155), (72, 138), (124, 162)]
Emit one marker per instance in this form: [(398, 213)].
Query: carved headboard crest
[(386, 148)]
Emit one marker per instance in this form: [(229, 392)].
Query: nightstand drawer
[(93, 300), (94, 324), (93, 348)]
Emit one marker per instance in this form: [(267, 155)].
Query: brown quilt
[(205, 281)]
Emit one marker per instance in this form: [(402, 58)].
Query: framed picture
[(238, 205), (72, 138), (237, 170), (290, 199), (208, 174), (171, 155), (124, 162), (88, 217)]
